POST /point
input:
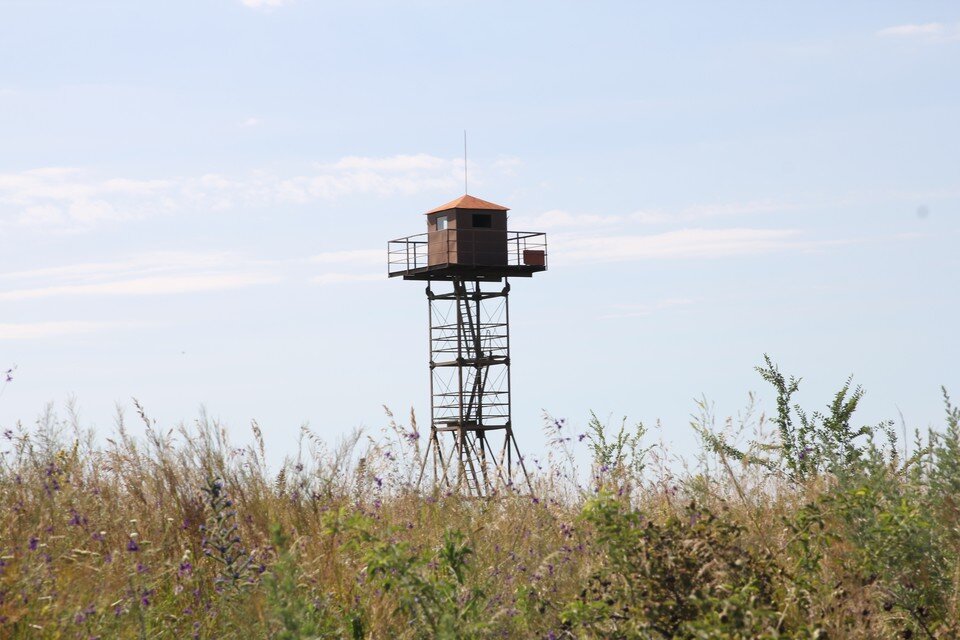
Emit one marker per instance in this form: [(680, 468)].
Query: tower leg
[(470, 390)]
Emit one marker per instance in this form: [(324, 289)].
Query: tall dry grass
[(181, 534)]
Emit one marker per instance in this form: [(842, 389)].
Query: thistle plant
[(221, 537)]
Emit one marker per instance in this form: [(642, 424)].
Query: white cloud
[(163, 273), (507, 165), (674, 245), (180, 272), (704, 211), (251, 122), (644, 310), (65, 198), (355, 256), (35, 330), (68, 199), (140, 265), (41, 215), (264, 4), (557, 218), (339, 278), (400, 163), (932, 32), (144, 286), (738, 208), (92, 211)]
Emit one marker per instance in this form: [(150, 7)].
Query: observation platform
[(467, 254)]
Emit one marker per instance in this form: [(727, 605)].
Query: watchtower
[(468, 245)]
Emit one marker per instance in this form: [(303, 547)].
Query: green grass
[(812, 528)]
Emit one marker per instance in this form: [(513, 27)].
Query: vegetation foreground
[(797, 526)]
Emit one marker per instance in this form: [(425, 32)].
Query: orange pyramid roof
[(468, 202)]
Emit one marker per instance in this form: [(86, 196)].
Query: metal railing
[(467, 247)]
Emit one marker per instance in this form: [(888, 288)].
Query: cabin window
[(482, 221), (441, 223)]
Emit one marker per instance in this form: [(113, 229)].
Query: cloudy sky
[(195, 199)]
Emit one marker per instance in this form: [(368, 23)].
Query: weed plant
[(809, 526)]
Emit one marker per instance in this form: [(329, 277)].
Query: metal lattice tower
[(471, 435), (469, 255)]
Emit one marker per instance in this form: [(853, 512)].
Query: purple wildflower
[(33, 543), (82, 616), (132, 546)]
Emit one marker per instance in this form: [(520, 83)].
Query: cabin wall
[(441, 247), (498, 219), (461, 244), (442, 244), (483, 246), (433, 217)]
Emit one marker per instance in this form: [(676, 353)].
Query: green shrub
[(691, 576), (429, 588), (293, 613)]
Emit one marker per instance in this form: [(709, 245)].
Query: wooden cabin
[(467, 231)]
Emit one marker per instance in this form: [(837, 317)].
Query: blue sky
[(195, 199)]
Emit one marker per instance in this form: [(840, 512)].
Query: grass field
[(818, 529)]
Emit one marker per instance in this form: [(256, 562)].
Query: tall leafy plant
[(809, 444)]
